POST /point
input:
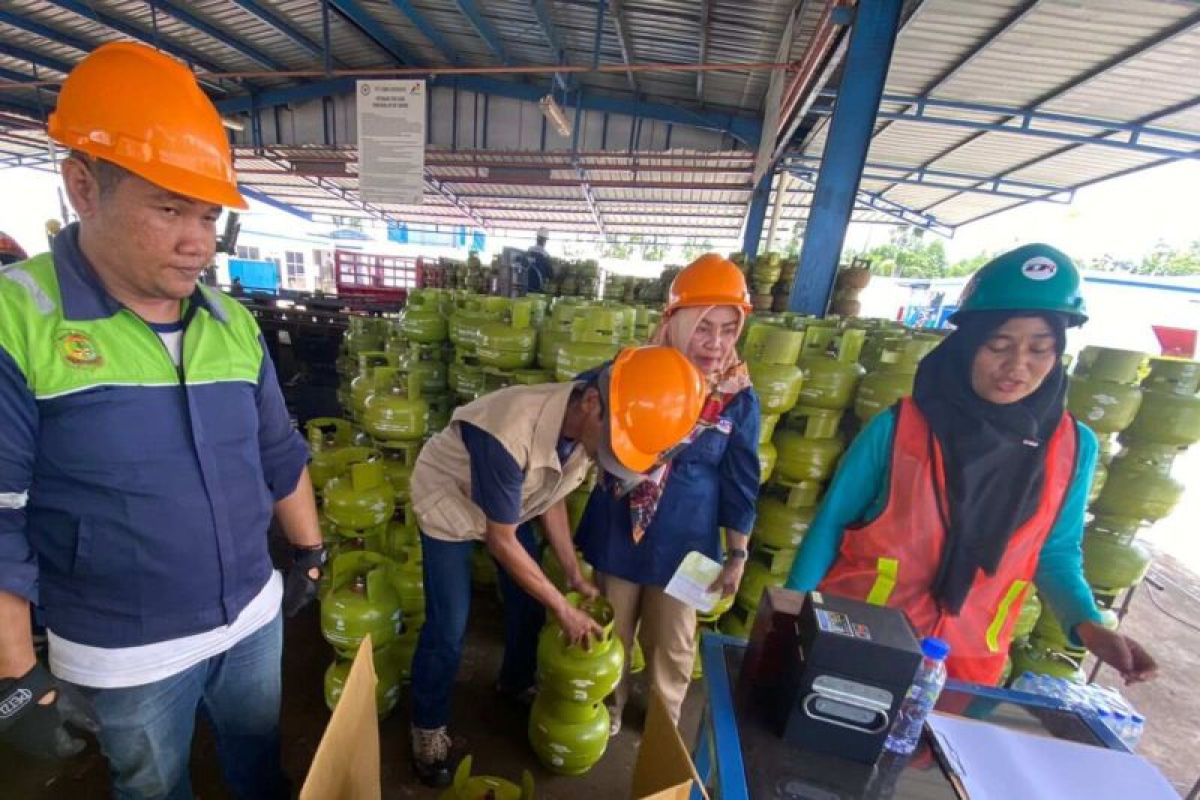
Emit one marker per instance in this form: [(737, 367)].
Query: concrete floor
[(492, 730)]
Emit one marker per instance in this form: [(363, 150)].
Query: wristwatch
[(735, 553)]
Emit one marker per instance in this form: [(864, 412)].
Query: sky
[(1125, 216)]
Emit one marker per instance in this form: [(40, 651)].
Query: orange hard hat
[(142, 110), (710, 280), (653, 396)]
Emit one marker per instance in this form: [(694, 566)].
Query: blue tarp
[(256, 276)]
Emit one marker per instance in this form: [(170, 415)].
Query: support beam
[(1062, 196), (266, 199), (353, 12), (47, 62), (899, 213), (616, 9), (702, 54), (213, 32), (265, 15), (485, 29), (756, 215), (1183, 27), (1015, 18), (189, 57), (554, 40), (428, 30), (882, 167), (456, 201), (744, 128), (45, 31), (872, 40)]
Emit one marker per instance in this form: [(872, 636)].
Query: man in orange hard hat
[(144, 448), (504, 460)]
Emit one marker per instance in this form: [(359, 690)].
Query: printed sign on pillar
[(391, 141)]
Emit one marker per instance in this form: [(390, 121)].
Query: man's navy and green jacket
[(135, 495)]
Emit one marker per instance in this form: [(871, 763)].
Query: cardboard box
[(664, 770), (346, 766)]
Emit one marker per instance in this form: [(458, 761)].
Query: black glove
[(41, 730), (301, 587)]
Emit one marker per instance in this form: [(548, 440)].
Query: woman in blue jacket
[(637, 539)]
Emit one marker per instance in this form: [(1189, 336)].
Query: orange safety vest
[(893, 560)]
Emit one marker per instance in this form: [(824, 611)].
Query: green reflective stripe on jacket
[(60, 356)]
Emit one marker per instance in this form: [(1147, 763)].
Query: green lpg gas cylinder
[(1108, 364), (441, 407), (483, 568), (1099, 476), (395, 411), (1031, 609), (402, 532), (1113, 559), (777, 385), (486, 787), (509, 345), (406, 647), (1170, 406), (467, 381), (568, 738), (424, 323), (387, 675), (767, 456), (1029, 657), (813, 422), (532, 377), (574, 673), (398, 461), (894, 378), (766, 428), (360, 500), (362, 601), (424, 361), (327, 437), (755, 580), (363, 334), (804, 459), (363, 386), (409, 581), (738, 620), (829, 383), (555, 572), (466, 322), (576, 357), (1105, 398), (784, 516), (1140, 484)]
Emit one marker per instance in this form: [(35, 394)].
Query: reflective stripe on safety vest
[(886, 571), (1015, 592)]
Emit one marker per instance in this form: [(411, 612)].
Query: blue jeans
[(447, 574), (146, 731)]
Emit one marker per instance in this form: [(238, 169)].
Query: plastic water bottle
[(910, 719)]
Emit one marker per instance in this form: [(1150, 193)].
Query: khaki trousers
[(666, 629)]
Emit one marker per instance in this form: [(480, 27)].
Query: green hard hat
[(1034, 277)]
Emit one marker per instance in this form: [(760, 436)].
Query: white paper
[(690, 582), (997, 763), (391, 141)]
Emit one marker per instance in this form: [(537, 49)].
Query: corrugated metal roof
[(1124, 61)]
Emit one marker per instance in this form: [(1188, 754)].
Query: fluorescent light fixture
[(233, 124), (556, 115)]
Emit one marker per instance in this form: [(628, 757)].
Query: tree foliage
[(909, 254)]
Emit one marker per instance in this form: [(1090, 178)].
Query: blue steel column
[(757, 214), (871, 40)]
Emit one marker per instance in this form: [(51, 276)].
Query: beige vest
[(527, 421)]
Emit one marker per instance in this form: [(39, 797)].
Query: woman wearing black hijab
[(958, 500)]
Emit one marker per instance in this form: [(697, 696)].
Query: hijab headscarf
[(730, 378), (995, 454)]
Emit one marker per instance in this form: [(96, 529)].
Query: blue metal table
[(740, 756)]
